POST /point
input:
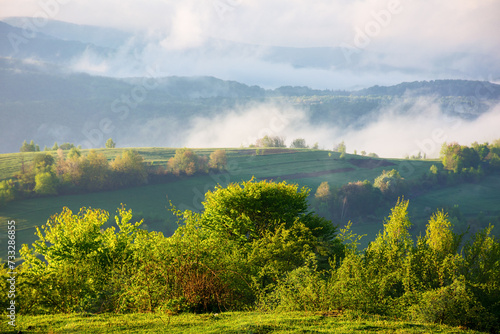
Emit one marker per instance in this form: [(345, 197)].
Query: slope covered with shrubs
[(256, 245)]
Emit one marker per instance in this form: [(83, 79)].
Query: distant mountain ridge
[(43, 98), (47, 103), (112, 52)]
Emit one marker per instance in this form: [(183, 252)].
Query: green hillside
[(305, 167)]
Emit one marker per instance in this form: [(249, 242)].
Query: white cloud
[(426, 39), (395, 134)]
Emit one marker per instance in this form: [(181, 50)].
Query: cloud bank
[(389, 41), (394, 134)]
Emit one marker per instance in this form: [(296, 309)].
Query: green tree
[(31, 147), (271, 141), (299, 143), (323, 192), (8, 191), (218, 160), (74, 153), (55, 147), (110, 143), (341, 148), (95, 171), (457, 158), (246, 211), (43, 159), (66, 146), (69, 268), (390, 183), (356, 199), (187, 162), (128, 169), (46, 182)]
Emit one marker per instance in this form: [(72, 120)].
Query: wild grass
[(230, 322)]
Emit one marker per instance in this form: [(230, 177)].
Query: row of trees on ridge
[(75, 172)]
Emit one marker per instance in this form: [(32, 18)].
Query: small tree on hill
[(323, 192), (341, 148), (110, 143), (299, 143), (271, 141), (128, 169), (390, 183), (218, 160), (31, 147), (187, 162)]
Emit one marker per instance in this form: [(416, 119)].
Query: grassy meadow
[(151, 202), (230, 322), (302, 166), (305, 167)]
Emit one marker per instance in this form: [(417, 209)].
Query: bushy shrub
[(302, 289), (453, 305), (255, 244)]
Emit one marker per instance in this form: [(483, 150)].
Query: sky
[(376, 43), (399, 40)]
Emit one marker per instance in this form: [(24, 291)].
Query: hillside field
[(302, 166), (230, 322)]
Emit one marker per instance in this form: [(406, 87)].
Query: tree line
[(257, 245), (355, 200), (75, 172), (474, 160)]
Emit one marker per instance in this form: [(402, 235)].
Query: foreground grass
[(231, 322)]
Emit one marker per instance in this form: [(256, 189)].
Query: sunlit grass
[(230, 322)]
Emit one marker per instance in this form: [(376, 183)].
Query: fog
[(394, 134), (377, 42)]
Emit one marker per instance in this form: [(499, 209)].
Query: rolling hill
[(305, 167)]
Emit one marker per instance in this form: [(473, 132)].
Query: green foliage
[(433, 169), (187, 162), (323, 192), (128, 169), (76, 259), (302, 289), (248, 210), (218, 160), (46, 182), (390, 183), (456, 157), (357, 198), (66, 146), (452, 305), (95, 171), (299, 143), (341, 148), (270, 141), (110, 143), (439, 235), (8, 191), (255, 244), (31, 147)]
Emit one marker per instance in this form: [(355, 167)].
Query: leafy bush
[(453, 305), (255, 244)]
